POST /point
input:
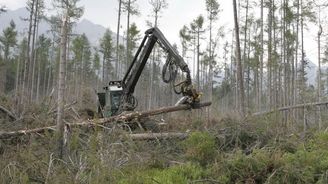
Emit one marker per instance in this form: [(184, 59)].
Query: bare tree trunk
[(239, 66), (296, 59), (17, 78), (302, 77), (262, 56), (198, 54), (33, 51), (38, 85), (152, 68), (61, 86), (319, 74), (246, 64), (270, 55), (127, 33), (118, 37), (28, 59)]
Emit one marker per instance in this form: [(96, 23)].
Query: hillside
[(93, 31)]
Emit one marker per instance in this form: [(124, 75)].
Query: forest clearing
[(150, 92)]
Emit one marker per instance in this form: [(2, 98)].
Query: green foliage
[(8, 39), (173, 175), (97, 156), (106, 48), (96, 61), (106, 45), (81, 62), (199, 22), (200, 147), (241, 168), (213, 9), (134, 36), (308, 164), (185, 37)]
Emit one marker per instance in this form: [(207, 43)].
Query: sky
[(177, 14)]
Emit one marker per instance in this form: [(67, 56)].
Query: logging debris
[(120, 118), (8, 113)]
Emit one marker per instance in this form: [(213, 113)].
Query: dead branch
[(67, 106), (96, 122), (7, 135), (157, 136), (10, 114), (289, 108)]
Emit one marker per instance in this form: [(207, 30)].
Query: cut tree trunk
[(99, 122), (290, 107)]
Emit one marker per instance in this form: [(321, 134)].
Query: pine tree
[(8, 40), (118, 37), (157, 7), (198, 24), (69, 11), (131, 9), (240, 80), (106, 47)]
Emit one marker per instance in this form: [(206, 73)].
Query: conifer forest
[(164, 91)]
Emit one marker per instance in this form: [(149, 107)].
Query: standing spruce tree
[(106, 48), (8, 40), (96, 66), (157, 7), (197, 25), (130, 8), (38, 14), (69, 10), (118, 36), (213, 9), (43, 50), (27, 63), (82, 65), (20, 61), (185, 38), (240, 80)]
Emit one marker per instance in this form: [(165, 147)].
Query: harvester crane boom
[(174, 61)]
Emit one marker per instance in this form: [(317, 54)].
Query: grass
[(229, 151)]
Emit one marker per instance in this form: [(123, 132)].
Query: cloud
[(12, 4)]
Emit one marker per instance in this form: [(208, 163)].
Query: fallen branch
[(97, 122), (67, 106), (289, 108), (157, 136), (7, 135), (10, 114)]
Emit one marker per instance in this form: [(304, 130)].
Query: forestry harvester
[(118, 96)]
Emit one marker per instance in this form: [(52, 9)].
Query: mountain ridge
[(93, 31)]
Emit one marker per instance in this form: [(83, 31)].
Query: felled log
[(7, 112), (157, 136), (96, 122), (143, 114), (289, 108), (7, 135)]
